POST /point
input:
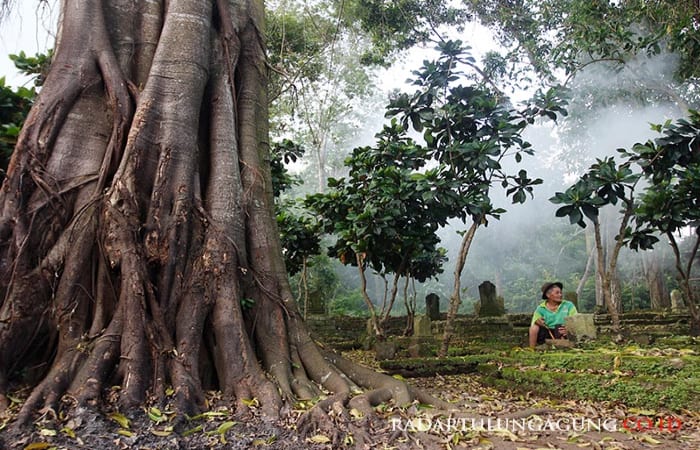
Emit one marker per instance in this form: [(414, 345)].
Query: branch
[(593, 61)]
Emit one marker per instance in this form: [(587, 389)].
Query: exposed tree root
[(136, 221), (327, 413)]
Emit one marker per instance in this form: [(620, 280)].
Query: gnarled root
[(331, 415)]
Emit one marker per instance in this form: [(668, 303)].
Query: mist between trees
[(609, 109), (146, 211)]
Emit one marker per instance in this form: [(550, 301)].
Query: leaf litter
[(153, 428)]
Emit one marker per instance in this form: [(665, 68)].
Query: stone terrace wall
[(345, 332)]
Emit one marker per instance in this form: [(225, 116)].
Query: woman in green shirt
[(548, 318)]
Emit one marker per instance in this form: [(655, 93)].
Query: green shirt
[(554, 318)]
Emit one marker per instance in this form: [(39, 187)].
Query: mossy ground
[(664, 376)]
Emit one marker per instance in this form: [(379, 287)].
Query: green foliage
[(570, 34), (36, 66), (16, 103), (282, 153), (379, 212), (671, 164), (318, 88), (14, 107), (398, 192), (295, 42), (323, 279), (349, 303), (300, 236), (469, 130), (400, 24), (669, 203), (640, 381), (299, 232), (605, 183), (639, 391)]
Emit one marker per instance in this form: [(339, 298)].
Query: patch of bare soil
[(483, 419)]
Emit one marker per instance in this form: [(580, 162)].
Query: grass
[(666, 376)]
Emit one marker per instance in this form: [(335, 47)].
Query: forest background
[(496, 162), (334, 79)]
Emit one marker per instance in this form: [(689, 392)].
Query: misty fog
[(529, 245)]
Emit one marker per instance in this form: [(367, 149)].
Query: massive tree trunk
[(137, 215)]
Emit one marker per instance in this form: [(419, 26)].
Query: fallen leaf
[(251, 403), (208, 415), (224, 427), (121, 419), (648, 439), (161, 433), (642, 412), (357, 414), (192, 431), (319, 439), (38, 446), (156, 415)]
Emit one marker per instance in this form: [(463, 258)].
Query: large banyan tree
[(137, 223)]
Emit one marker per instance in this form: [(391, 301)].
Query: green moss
[(644, 377), (672, 393)]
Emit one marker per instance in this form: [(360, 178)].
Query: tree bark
[(605, 276), (587, 271), (455, 298), (658, 293), (137, 215), (685, 272)]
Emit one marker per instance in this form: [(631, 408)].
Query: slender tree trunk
[(658, 293), (607, 258), (606, 279), (455, 299), (375, 322), (590, 261), (685, 272), (387, 307), (321, 155), (410, 304)]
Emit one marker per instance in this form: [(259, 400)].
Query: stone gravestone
[(489, 304), (421, 326), (317, 303), (676, 301), (422, 338), (385, 350), (580, 327), (432, 306)]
